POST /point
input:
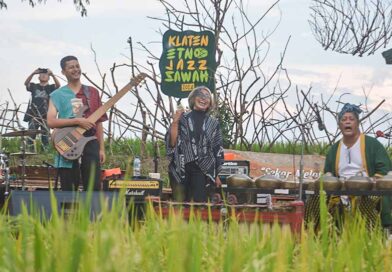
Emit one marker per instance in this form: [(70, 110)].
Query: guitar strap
[(86, 92)]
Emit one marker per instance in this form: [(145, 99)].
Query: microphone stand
[(6, 177), (301, 161), (22, 159), (48, 166)]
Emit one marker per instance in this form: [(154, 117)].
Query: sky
[(41, 36)]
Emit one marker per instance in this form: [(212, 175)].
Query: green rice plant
[(115, 241), (132, 147), (10, 145), (286, 148)]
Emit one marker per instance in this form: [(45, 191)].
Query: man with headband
[(354, 153)]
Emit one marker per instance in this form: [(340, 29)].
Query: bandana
[(350, 108)]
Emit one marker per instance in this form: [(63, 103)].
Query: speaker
[(67, 201), (231, 167)]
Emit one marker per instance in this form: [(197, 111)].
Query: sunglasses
[(204, 96)]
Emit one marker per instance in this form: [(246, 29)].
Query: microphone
[(320, 124), (180, 106), (380, 133)]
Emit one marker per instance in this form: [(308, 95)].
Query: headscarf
[(349, 108)]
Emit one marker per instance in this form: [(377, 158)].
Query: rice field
[(113, 241), (116, 241)]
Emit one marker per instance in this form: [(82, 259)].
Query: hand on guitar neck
[(84, 123)]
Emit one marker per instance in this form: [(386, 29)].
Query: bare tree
[(79, 4), (354, 27), (258, 105), (249, 94)]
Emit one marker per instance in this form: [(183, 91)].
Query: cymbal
[(30, 132), (21, 154)]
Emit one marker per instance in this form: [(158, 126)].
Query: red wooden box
[(290, 213)]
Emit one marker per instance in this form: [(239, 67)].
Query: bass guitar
[(70, 142)]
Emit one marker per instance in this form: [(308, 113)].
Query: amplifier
[(137, 187), (231, 167)]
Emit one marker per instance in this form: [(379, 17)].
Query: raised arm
[(30, 77), (174, 127), (56, 81)]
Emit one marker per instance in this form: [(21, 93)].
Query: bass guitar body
[(70, 142)]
